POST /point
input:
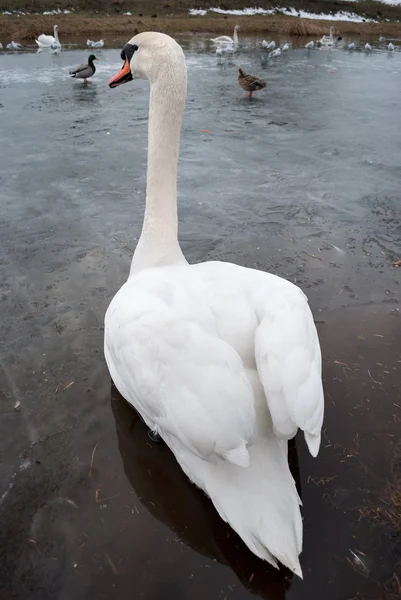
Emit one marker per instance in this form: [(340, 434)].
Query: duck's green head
[(92, 58)]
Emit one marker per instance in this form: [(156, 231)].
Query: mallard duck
[(85, 71), (49, 41), (250, 83)]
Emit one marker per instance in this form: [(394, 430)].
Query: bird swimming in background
[(250, 83), (368, 47), (351, 46), (14, 46), (390, 46), (285, 48), (269, 45), (310, 45), (274, 53), (85, 71), (49, 41), (225, 39), (92, 44)]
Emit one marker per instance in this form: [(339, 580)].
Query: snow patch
[(339, 16)]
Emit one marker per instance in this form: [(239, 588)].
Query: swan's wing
[(46, 40), (184, 381), (288, 358)]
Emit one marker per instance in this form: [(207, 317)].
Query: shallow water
[(303, 180)]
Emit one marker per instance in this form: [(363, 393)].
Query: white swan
[(49, 41), (225, 39), (222, 361), (327, 40)]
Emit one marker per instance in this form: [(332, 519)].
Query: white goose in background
[(327, 40), (49, 41), (222, 361), (225, 39)]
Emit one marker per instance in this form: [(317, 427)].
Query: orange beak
[(122, 76)]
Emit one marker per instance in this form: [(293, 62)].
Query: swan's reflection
[(164, 490)]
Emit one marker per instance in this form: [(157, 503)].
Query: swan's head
[(146, 56), (237, 28), (55, 28)]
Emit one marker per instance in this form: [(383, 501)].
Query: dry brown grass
[(304, 27), (26, 27)]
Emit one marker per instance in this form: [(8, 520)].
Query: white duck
[(225, 39), (49, 41), (327, 40), (221, 360)]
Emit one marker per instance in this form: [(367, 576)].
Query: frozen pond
[(304, 180)]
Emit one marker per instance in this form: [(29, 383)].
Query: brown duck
[(250, 83)]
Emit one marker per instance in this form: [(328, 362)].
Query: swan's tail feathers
[(260, 501), (313, 442)]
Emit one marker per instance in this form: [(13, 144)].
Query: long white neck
[(56, 34), (158, 244), (235, 35)]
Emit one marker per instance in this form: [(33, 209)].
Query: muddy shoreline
[(25, 27)]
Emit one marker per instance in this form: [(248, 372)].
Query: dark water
[(304, 181)]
